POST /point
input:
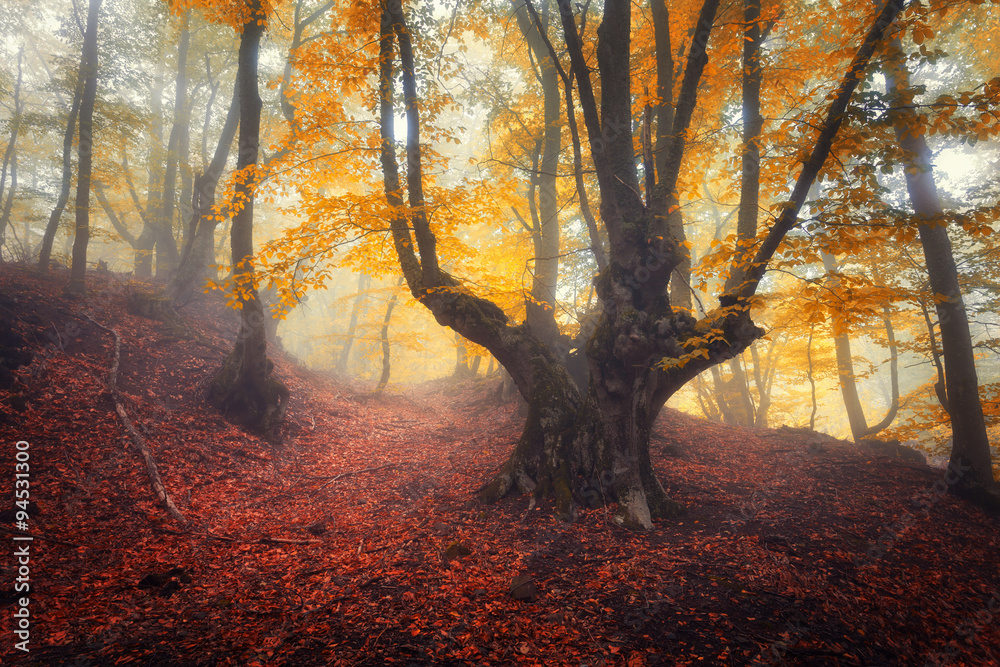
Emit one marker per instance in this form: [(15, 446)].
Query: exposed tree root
[(137, 440), (258, 401)]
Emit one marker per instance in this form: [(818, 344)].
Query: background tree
[(971, 446), (10, 155), (88, 68), (244, 388)]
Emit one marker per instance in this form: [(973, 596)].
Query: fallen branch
[(40, 536), (226, 538), (285, 540), (353, 472), (137, 440)]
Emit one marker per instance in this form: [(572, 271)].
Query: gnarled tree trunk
[(593, 448)]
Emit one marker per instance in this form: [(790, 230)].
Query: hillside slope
[(359, 541)]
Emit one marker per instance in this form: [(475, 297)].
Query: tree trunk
[(167, 257), (721, 395), (154, 182), (8, 207), (10, 156), (739, 390), (364, 281), (812, 379), (383, 381), (970, 454), (890, 414), (540, 308), (45, 254), (143, 246), (746, 222), (86, 153), (595, 448), (461, 358), (199, 252), (113, 216), (763, 382), (244, 389), (845, 364)]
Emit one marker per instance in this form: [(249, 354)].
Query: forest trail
[(359, 540)]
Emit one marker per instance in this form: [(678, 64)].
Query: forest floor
[(359, 540)]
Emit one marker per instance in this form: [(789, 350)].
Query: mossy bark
[(592, 450)]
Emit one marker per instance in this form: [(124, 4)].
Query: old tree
[(642, 350), (592, 397)]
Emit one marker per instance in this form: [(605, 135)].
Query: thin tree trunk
[(845, 364), (939, 386), (745, 415), (143, 255), (722, 395), (113, 216), (167, 257), (383, 381), (763, 383), (154, 181), (8, 206), (812, 378), (970, 454), (10, 155), (461, 358), (86, 153), (890, 414), (244, 388), (746, 222), (45, 254), (364, 281), (200, 250), (680, 280), (540, 308)]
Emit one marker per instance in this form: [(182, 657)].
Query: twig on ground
[(226, 538), (137, 440), (44, 538), (333, 479)]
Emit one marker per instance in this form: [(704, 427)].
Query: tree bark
[(746, 221), (594, 447), (680, 280), (10, 156), (45, 254), (200, 249), (154, 183), (812, 379), (244, 389), (167, 257), (845, 364), (113, 216), (86, 152), (763, 383), (360, 300), (890, 414), (540, 308), (383, 380), (970, 454)]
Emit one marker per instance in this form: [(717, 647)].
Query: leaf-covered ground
[(359, 542)]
